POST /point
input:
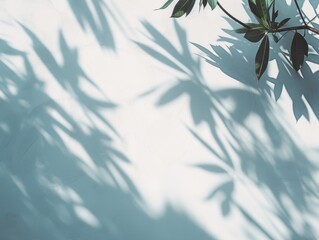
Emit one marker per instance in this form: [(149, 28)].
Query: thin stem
[(313, 18), (311, 29), (300, 13), (231, 16)]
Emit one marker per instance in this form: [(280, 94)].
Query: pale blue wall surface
[(112, 126)]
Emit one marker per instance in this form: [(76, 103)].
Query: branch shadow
[(61, 178), (254, 147)]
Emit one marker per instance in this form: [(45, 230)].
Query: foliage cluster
[(266, 25)]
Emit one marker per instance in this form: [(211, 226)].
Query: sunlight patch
[(4, 127), (2, 95), (76, 147), (86, 216), (57, 116), (20, 185)]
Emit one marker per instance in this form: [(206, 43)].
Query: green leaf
[(178, 14), (274, 15), (166, 4), (252, 26), (203, 3), (183, 7), (253, 7), (212, 4), (262, 57), (254, 35), (241, 30), (283, 22), (270, 3), (299, 49), (263, 12), (255, 26)]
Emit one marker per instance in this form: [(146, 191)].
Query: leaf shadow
[(268, 158), (95, 16), (62, 177)]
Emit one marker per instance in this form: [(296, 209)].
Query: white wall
[(113, 127)]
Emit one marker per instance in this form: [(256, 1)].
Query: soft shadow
[(63, 177), (253, 144), (95, 16)]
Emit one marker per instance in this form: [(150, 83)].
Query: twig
[(311, 29), (300, 13), (231, 16)]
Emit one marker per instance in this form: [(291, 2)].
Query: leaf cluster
[(266, 25), (184, 7)]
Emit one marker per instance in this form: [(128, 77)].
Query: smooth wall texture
[(118, 122)]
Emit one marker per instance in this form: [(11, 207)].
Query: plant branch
[(302, 27), (311, 29), (232, 17), (300, 13)]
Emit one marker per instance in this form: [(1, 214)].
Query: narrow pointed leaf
[(203, 3), (166, 4), (263, 12), (262, 8), (262, 57), (283, 22), (253, 8), (255, 26), (254, 35), (183, 7), (270, 4), (212, 4), (274, 15), (252, 26), (242, 30), (299, 49)]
